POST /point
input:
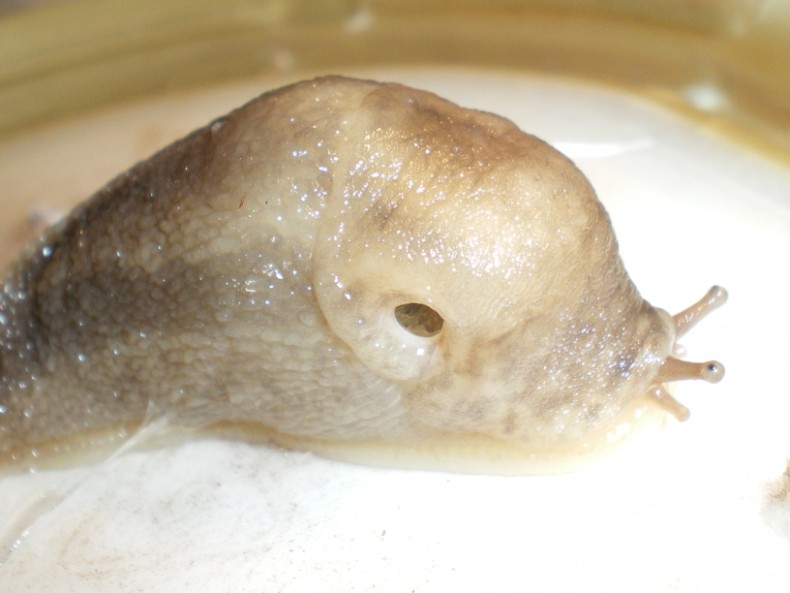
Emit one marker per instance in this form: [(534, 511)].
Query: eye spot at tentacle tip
[(713, 371)]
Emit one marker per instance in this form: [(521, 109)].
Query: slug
[(359, 269)]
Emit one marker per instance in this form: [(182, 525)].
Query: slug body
[(349, 267)]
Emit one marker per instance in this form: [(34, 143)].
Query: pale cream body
[(249, 274)]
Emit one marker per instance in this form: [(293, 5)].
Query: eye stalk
[(674, 369)]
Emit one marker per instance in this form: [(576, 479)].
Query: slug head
[(473, 264)]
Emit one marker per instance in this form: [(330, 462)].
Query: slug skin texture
[(364, 270)]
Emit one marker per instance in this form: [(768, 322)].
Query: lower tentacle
[(669, 403)]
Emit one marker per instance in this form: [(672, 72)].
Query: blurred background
[(722, 61)]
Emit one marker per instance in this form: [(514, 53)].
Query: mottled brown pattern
[(250, 273)]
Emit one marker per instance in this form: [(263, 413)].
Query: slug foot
[(675, 369)]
